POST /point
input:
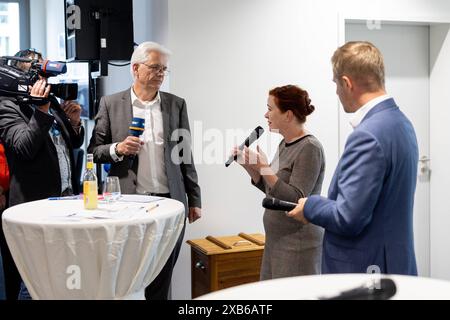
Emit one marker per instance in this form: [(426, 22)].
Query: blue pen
[(65, 198)]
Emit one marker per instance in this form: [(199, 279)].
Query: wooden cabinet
[(219, 263)]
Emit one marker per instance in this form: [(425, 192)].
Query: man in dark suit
[(158, 163), (39, 143), (368, 216)]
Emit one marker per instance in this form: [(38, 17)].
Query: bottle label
[(90, 195)]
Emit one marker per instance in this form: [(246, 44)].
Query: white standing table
[(321, 286), (65, 252)]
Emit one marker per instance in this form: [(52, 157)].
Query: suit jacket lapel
[(165, 109), (128, 113)]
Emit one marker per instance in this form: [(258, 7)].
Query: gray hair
[(141, 53)]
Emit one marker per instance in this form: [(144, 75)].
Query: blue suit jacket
[(368, 216)]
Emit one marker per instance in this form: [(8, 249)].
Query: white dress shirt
[(151, 175), (364, 110)]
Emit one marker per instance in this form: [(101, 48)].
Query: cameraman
[(39, 142)]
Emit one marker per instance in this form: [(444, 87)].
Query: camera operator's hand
[(73, 112), (41, 90), (130, 146)]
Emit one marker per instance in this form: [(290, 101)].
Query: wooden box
[(219, 263)]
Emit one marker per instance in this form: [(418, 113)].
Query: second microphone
[(279, 205)]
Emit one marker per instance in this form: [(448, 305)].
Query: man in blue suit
[(368, 215)]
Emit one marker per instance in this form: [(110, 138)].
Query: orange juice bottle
[(90, 186)]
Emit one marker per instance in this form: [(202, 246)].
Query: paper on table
[(67, 218), (116, 213), (139, 198)]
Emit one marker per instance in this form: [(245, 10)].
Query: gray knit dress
[(293, 249)]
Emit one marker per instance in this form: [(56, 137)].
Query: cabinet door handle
[(200, 265)]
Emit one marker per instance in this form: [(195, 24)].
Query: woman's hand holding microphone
[(249, 159)]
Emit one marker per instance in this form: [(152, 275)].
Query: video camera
[(15, 82)]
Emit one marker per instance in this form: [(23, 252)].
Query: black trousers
[(160, 287), (12, 275)]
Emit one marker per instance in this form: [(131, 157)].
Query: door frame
[(439, 221), (344, 17)]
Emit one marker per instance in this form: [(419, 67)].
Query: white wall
[(47, 28), (38, 33), (440, 152), (227, 55), (38, 26), (55, 24)]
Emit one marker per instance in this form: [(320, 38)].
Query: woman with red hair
[(291, 249)]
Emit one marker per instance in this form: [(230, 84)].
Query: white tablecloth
[(315, 287), (64, 252)]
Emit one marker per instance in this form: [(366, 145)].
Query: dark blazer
[(368, 216), (31, 154), (112, 125)]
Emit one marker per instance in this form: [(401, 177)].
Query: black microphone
[(137, 128), (255, 135), (280, 205), (378, 290)]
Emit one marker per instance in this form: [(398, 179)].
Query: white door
[(406, 50)]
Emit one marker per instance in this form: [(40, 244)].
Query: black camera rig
[(15, 82)]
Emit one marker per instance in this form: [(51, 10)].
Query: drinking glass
[(111, 189)]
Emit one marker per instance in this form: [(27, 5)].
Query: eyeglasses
[(157, 68)]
